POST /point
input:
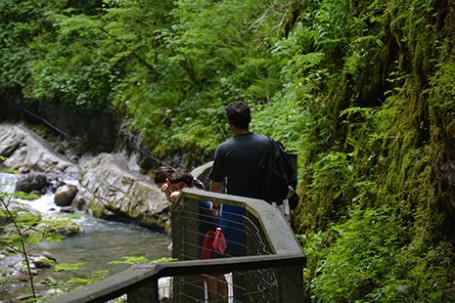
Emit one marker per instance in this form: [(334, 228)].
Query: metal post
[(192, 286), (147, 293), (290, 281)]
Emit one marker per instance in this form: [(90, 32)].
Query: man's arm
[(216, 187), (218, 172)]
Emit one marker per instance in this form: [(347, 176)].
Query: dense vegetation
[(362, 90)]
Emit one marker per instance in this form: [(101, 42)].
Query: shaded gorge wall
[(94, 131)]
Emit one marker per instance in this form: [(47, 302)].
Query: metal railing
[(270, 271)]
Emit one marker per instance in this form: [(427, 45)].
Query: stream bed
[(100, 242)]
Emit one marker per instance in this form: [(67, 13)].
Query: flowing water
[(100, 243)]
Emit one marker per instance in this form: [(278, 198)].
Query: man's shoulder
[(253, 137), (223, 145), (261, 137), (226, 143), (243, 140)]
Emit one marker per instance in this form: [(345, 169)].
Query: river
[(100, 243)]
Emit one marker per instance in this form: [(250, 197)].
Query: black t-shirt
[(237, 160)]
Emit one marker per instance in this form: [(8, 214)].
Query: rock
[(25, 150), (23, 271), (36, 183), (10, 250), (52, 292), (4, 220), (64, 226), (107, 187), (23, 170), (11, 148), (23, 298), (50, 281), (67, 210), (42, 262), (64, 195), (49, 256), (111, 191), (20, 207)]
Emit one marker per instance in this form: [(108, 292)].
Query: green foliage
[(74, 69), (23, 230), (328, 201), (95, 277), (442, 94), (370, 260), (21, 21), (77, 282), (372, 154), (364, 254), (18, 239), (290, 124), (362, 90), (140, 260), (67, 266)]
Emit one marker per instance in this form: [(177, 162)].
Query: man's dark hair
[(238, 113)]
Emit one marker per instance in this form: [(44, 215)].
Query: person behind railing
[(161, 178), (172, 181), (236, 163)]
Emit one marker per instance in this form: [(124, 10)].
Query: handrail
[(286, 256), (125, 281), (279, 233)]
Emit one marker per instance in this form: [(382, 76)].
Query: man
[(237, 158), (236, 162)]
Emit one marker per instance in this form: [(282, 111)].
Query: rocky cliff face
[(95, 131), (108, 188), (26, 151)]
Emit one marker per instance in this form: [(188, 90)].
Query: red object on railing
[(219, 242), (213, 241)]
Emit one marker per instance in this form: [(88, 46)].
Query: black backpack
[(277, 178)]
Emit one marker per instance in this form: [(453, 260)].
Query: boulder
[(32, 183), (63, 226), (111, 191), (64, 195), (41, 261)]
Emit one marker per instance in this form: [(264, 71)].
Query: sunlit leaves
[(67, 266), (139, 260)]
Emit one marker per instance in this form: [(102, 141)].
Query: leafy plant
[(95, 277), (20, 238), (140, 260), (24, 229)]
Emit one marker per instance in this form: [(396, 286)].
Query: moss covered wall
[(388, 153)]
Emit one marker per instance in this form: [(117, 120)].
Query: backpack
[(277, 178)]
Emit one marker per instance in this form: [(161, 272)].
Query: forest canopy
[(363, 92)]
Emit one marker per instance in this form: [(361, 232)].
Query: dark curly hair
[(181, 174), (162, 173), (239, 114)]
